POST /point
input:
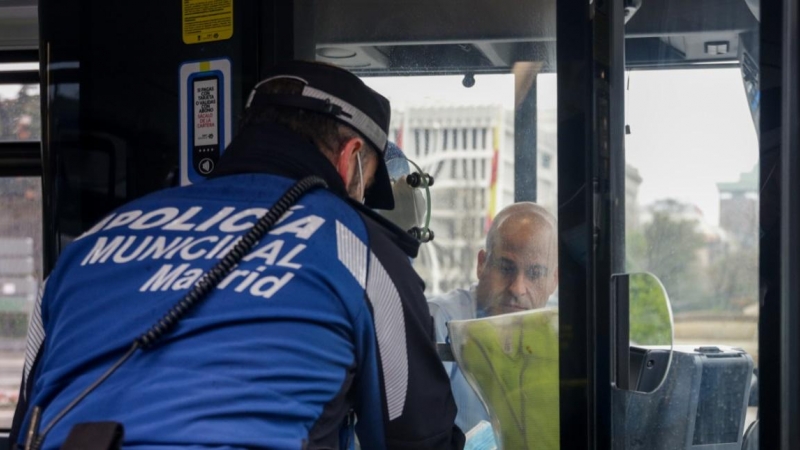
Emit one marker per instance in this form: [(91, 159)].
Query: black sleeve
[(21, 409), (427, 420)]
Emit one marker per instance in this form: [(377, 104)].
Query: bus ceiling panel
[(473, 35), (433, 37), (716, 47), (415, 22), (370, 23), (477, 57), (19, 29), (659, 18)]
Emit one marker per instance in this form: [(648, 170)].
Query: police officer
[(322, 324)]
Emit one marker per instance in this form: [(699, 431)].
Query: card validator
[(206, 132)]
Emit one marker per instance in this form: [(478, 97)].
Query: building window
[(438, 170), (427, 141), (483, 137), (416, 142), (464, 138), (546, 160), (455, 138), (474, 138), (444, 139)]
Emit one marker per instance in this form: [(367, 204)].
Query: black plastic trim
[(19, 56), (790, 228), (20, 159), (576, 352), (19, 77), (769, 342)]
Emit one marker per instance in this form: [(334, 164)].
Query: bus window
[(692, 182), (474, 177), (20, 241), (474, 106), (20, 274)]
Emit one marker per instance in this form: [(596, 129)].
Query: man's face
[(520, 272)]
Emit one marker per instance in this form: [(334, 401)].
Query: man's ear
[(481, 263), (345, 164), (554, 281)]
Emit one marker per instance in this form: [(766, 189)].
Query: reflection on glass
[(464, 137), (20, 273), (642, 333), (692, 209), (20, 117), (473, 104), (693, 221), (650, 316), (517, 271), (512, 363), (692, 188)]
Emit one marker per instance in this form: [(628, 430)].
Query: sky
[(690, 129)]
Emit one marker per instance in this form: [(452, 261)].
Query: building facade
[(469, 150), (738, 208)]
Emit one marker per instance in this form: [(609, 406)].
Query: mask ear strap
[(360, 178)]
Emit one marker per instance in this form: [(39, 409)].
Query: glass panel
[(480, 179), (20, 274), (462, 196), (692, 195), (20, 116), (643, 335), (474, 105), (512, 357), (466, 198), (20, 239)]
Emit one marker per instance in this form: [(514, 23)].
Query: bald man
[(517, 271)]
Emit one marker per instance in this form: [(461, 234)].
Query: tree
[(734, 279), (668, 247), (20, 117), (649, 315)]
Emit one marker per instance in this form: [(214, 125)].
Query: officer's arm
[(418, 406), (33, 346)]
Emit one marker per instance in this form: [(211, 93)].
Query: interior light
[(335, 52), (717, 48)]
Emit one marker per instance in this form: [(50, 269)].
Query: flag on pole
[(493, 179)]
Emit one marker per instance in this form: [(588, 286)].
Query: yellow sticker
[(207, 20)]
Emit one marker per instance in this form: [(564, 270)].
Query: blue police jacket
[(324, 317)]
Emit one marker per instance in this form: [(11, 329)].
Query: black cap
[(343, 96)]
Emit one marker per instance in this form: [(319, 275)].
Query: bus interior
[(655, 131)]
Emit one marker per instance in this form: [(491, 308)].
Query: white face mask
[(361, 179)]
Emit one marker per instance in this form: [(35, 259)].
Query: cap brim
[(379, 195)]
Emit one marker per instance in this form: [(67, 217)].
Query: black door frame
[(790, 228), (590, 52)]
